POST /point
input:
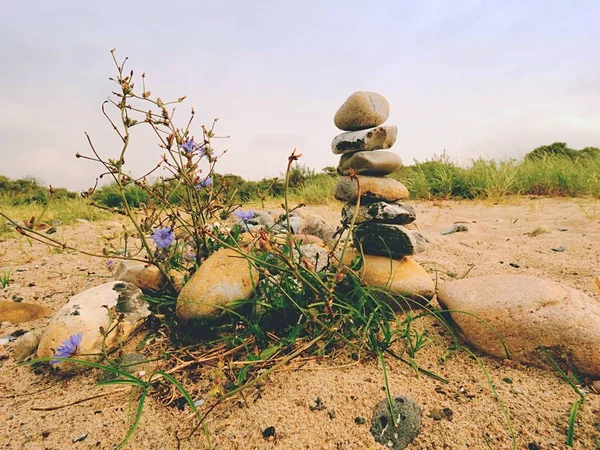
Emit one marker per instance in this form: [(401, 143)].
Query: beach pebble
[(314, 225), (372, 189), (559, 249), (87, 312), (384, 212), (378, 138), (362, 110), (219, 282), (27, 344), (527, 313), (369, 163), (408, 415), (404, 277), (394, 241), (456, 228)]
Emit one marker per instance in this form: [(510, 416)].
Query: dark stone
[(533, 446), (360, 420), (515, 265), (384, 239), (408, 415), (383, 212), (268, 432), (560, 248)]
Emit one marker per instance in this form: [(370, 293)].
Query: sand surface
[(537, 401)]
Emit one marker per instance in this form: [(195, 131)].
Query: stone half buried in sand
[(528, 314), (403, 277), (217, 286), (384, 239), (384, 212), (378, 138), (369, 163), (87, 312), (362, 110), (147, 277), (372, 189), (21, 312)]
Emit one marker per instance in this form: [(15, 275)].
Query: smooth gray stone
[(384, 239), (369, 163), (378, 138), (384, 212)]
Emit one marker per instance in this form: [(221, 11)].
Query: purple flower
[(206, 182), (201, 151), (68, 348), (243, 215), (163, 237), (189, 146)]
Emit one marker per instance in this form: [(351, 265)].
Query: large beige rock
[(87, 312), (369, 163), (378, 138), (219, 282), (528, 313), (404, 277), (21, 312), (372, 189), (362, 110)]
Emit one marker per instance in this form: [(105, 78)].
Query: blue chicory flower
[(206, 182), (68, 349), (243, 215), (201, 151), (163, 237), (189, 146)]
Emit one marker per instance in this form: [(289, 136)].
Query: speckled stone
[(378, 138)]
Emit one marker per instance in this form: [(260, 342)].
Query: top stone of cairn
[(362, 110)]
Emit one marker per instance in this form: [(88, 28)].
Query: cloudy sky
[(474, 78)]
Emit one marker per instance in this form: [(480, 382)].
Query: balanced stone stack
[(379, 223)]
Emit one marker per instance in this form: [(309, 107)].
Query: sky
[(491, 79)]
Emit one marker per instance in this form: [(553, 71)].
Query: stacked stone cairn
[(379, 230)]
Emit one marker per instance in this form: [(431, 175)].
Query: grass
[(5, 278), (65, 210)]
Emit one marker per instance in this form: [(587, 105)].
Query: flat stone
[(372, 189), (362, 110), (223, 279), (378, 138), (87, 312), (527, 313), (393, 241), (369, 163), (403, 277), (21, 312), (384, 212), (408, 417)]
